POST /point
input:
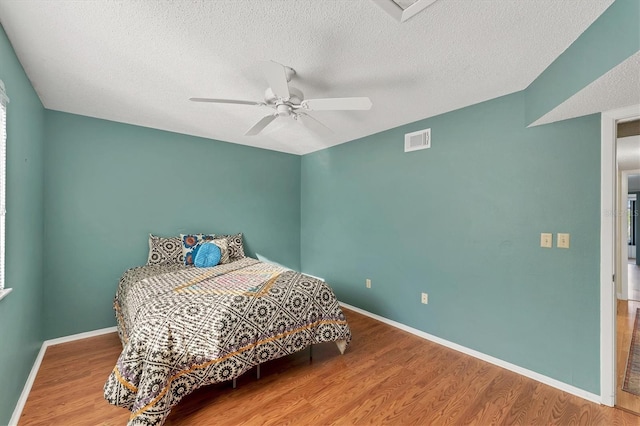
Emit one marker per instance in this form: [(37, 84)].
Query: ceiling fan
[(289, 102)]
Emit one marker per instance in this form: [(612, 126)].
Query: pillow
[(190, 242), (224, 249), (206, 255), (236, 249), (164, 251)]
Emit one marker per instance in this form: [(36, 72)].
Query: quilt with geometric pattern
[(183, 327)]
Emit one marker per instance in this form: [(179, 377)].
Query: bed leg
[(234, 383), (311, 353), (258, 372), (342, 345)]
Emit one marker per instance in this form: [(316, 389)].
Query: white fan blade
[(313, 124), (335, 104), (276, 76), (260, 125), (226, 101)]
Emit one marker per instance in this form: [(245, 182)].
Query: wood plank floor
[(386, 376)]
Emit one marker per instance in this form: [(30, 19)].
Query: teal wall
[(110, 184), (20, 311), (462, 222)]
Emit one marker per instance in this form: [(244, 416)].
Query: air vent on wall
[(417, 140)]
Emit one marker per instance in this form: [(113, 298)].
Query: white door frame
[(608, 177)]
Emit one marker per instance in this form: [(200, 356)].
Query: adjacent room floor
[(386, 376), (626, 315)]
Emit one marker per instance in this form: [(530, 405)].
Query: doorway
[(631, 267), (627, 346), (608, 299)]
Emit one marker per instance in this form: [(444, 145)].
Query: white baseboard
[(79, 336), (484, 357), (313, 276), (17, 412)]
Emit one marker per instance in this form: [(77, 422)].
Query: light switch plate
[(546, 240), (563, 240)]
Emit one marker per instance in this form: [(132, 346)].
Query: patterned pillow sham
[(224, 249), (189, 242), (164, 251), (236, 248)]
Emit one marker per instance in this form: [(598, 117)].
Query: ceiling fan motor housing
[(284, 110), (295, 97)]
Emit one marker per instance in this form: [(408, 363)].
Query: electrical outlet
[(425, 298), (368, 283), (546, 240), (563, 240)]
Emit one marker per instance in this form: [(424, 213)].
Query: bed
[(185, 327)]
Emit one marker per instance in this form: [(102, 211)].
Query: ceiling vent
[(417, 140), (401, 10)]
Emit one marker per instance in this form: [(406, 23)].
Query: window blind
[(4, 100)]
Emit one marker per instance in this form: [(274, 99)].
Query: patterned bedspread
[(182, 328)]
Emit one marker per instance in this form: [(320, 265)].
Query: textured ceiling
[(138, 62), (620, 87)]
